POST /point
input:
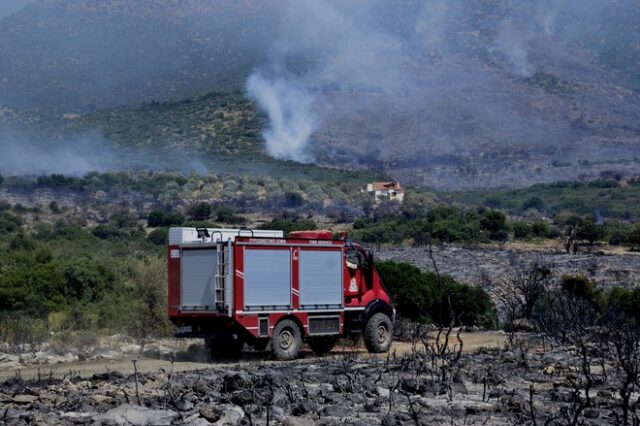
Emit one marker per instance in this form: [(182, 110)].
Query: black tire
[(286, 340), (378, 333), (227, 346), (322, 345)]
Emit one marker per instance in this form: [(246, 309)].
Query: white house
[(385, 191)]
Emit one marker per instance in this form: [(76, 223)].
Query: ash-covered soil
[(471, 264), (508, 385)]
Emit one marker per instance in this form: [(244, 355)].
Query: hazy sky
[(7, 7)]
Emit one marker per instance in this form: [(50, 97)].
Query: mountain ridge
[(495, 94)]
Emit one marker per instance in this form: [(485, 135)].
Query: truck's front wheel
[(378, 333), (286, 340)]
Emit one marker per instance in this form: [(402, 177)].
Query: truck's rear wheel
[(378, 333), (286, 340), (322, 345)]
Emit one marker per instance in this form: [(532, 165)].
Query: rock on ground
[(135, 415)]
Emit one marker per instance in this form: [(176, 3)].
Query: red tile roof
[(381, 186)]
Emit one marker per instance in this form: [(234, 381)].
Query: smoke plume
[(322, 47), (429, 82), (291, 119), (512, 42), (23, 153)]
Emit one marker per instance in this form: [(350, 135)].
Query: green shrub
[(161, 218), (9, 223), (20, 209), (616, 233), (289, 225), (22, 332), (107, 232), (53, 206), (541, 229), (155, 218), (495, 223), (123, 219), (622, 303), (199, 211), (421, 296), (225, 215), (159, 236), (40, 288), (20, 241), (604, 183), (580, 287), (146, 279), (534, 202), (521, 230), (292, 200), (589, 231)]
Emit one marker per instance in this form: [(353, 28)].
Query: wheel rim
[(286, 339), (382, 333)]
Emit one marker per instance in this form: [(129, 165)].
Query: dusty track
[(471, 342)]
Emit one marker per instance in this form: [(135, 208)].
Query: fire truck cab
[(237, 286)]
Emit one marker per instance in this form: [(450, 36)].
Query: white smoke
[(512, 42), (22, 155), (378, 81), (291, 119), (25, 153), (323, 46)]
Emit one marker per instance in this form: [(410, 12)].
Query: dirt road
[(471, 342)]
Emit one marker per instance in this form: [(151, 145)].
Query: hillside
[(496, 94), (84, 55), (215, 133)]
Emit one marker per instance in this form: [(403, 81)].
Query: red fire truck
[(237, 286)]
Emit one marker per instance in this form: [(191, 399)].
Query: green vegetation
[(102, 269), (611, 197), (579, 298), (424, 216), (189, 192), (425, 297), (288, 223), (69, 279), (445, 224)]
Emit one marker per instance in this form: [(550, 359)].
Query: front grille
[(324, 325)]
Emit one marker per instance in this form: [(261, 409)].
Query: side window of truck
[(356, 259), (352, 259)]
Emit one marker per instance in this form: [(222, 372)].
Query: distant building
[(385, 191)]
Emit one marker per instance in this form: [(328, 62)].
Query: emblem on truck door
[(353, 285)]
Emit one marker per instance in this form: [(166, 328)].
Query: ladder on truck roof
[(224, 277)]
